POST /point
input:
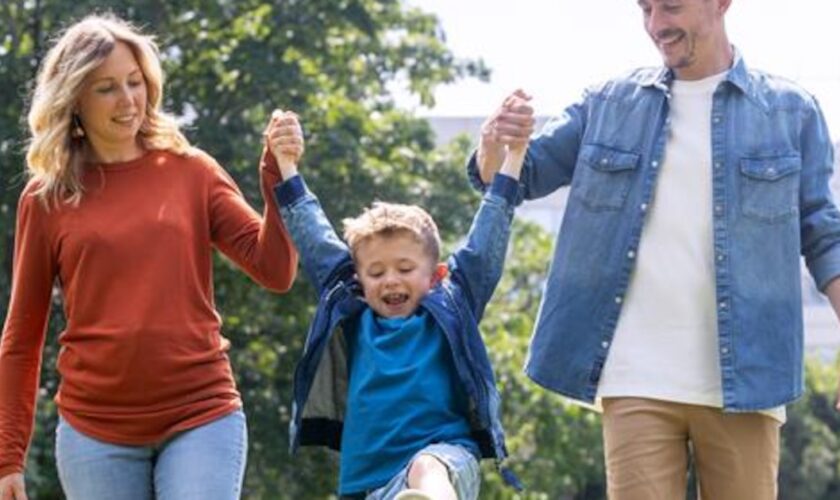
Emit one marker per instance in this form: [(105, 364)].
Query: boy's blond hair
[(387, 219)]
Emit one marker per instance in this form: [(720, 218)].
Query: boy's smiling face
[(396, 272)]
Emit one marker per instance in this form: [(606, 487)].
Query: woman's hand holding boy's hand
[(284, 138)]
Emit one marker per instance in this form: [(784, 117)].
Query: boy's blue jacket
[(457, 304)]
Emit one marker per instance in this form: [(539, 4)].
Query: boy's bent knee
[(430, 476), (425, 466)]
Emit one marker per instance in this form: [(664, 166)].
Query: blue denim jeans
[(464, 472), (207, 463)]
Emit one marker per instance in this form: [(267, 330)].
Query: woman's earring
[(76, 130)]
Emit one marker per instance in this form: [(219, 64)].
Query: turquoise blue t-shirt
[(404, 394)]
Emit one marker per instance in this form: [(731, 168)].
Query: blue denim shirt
[(771, 164), (457, 305)]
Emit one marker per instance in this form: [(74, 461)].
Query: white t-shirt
[(666, 344)]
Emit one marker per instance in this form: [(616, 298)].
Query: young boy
[(394, 372)]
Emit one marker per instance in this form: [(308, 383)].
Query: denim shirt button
[(717, 164), (643, 207), (718, 209), (631, 254), (716, 119), (722, 305), (605, 344), (654, 164), (720, 257), (724, 350), (618, 299)]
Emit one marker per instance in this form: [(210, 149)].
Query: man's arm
[(832, 291), (819, 218)]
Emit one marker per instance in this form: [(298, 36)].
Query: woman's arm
[(24, 332)]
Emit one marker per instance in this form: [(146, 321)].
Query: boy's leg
[(90, 469), (736, 455), (431, 476), (645, 449), (440, 465), (204, 463)]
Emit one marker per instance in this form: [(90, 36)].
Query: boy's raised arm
[(512, 165), (324, 256), (477, 266)]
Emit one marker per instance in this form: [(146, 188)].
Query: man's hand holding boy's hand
[(515, 150), (508, 128), (284, 138)]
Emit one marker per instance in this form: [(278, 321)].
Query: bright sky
[(555, 48)]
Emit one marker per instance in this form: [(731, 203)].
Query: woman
[(124, 213)]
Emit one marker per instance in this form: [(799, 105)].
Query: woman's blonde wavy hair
[(54, 158)]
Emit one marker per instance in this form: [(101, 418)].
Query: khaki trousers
[(647, 444)]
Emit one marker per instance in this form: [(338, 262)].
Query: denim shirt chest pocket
[(604, 176), (770, 187)]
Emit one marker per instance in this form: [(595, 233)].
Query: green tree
[(810, 458)]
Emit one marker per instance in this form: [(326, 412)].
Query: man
[(674, 294)]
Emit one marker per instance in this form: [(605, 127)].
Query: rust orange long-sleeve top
[(142, 356)]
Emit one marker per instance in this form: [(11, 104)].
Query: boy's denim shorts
[(463, 468)]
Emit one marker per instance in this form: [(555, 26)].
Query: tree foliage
[(810, 459)]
